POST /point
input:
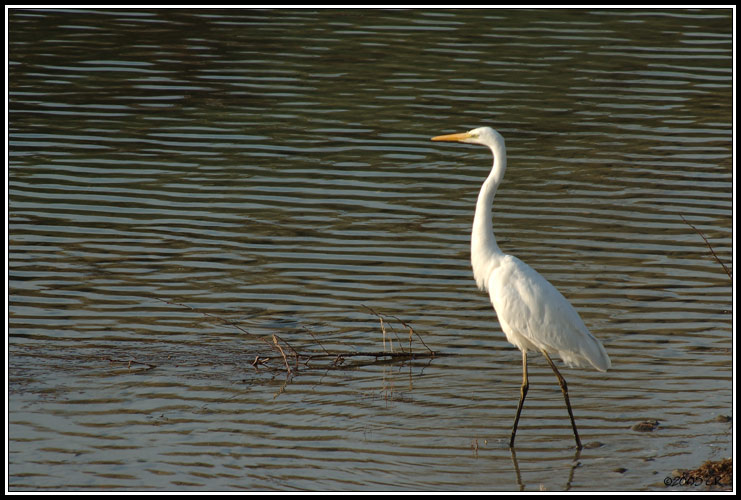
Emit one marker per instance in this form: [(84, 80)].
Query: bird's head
[(485, 136)]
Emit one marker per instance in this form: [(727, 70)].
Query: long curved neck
[(484, 249)]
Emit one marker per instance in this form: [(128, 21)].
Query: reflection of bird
[(532, 313)]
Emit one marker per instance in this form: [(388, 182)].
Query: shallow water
[(189, 187)]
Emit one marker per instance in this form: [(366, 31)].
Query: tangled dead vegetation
[(276, 355)]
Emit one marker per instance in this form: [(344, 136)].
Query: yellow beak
[(452, 137)]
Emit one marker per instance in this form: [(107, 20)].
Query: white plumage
[(536, 317), (533, 314)]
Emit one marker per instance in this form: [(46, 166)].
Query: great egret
[(532, 313)]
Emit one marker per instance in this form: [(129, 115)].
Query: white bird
[(533, 314)]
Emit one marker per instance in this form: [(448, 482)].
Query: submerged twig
[(129, 362), (296, 355), (317, 340), (383, 330), (728, 272), (214, 316), (412, 332), (406, 325), (259, 361), (280, 349)]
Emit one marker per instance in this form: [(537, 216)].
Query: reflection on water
[(186, 184)]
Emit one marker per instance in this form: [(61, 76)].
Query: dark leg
[(565, 391), (523, 393)]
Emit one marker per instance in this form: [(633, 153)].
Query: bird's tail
[(591, 353)]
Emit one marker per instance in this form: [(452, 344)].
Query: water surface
[(188, 188)]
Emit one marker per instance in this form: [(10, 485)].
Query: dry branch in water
[(291, 360)]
